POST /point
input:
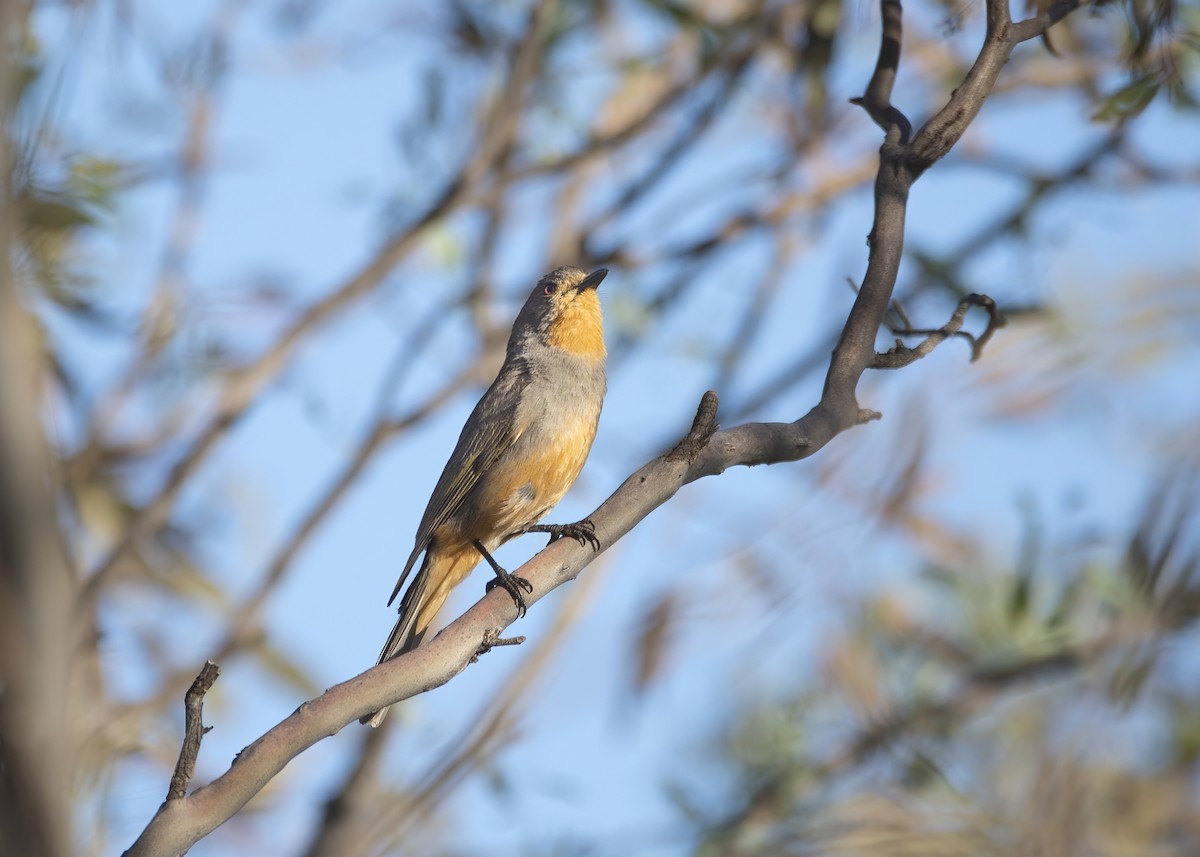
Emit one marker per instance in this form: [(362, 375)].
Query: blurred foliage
[(58, 193), (990, 711)]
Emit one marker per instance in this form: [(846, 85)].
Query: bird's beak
[(593, 279)]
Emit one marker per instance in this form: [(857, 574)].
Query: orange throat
[(579, 328)]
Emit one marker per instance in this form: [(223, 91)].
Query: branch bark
[(178, 824)]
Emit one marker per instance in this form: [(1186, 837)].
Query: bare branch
[(242, 627), (877, 100), (492, 640), (938, 270), (941, 132), (1039, 24), (180, 823), (901, 355), (703, 452), (193, 730)]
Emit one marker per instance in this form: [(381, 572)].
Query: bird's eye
[(548, 289)]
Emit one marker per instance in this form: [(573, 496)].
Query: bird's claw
[(583, 532), (513, 584)]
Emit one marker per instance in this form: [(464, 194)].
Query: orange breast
[(524, 489), (579, 328)]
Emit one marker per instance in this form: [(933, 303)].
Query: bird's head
[(563, 311)]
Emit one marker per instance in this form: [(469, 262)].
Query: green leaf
[(1130, 100)]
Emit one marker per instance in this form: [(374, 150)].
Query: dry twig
[(194, 730)]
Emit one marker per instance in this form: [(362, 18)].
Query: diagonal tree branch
[(180, 823), (703, 452), (491, 728), (946, 127), (242, 626)]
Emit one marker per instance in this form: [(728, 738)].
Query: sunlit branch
[(704, 451)]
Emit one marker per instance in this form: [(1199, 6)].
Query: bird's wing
[(489, 431)]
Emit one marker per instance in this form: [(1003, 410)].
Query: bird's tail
[(421, 602)]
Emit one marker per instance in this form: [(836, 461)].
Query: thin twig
[(193, 730), (900, 355)]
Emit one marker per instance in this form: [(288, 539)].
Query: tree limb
[(946, 127), (703, 452), (180, 823)]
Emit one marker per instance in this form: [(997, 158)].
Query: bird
[(521, 448)]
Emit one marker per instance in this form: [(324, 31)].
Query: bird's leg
[(512, 583), (583, 532)]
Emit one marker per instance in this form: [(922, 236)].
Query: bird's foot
[(512, 585), (583, 532)]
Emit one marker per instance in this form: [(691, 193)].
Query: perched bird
[(519, 452)]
